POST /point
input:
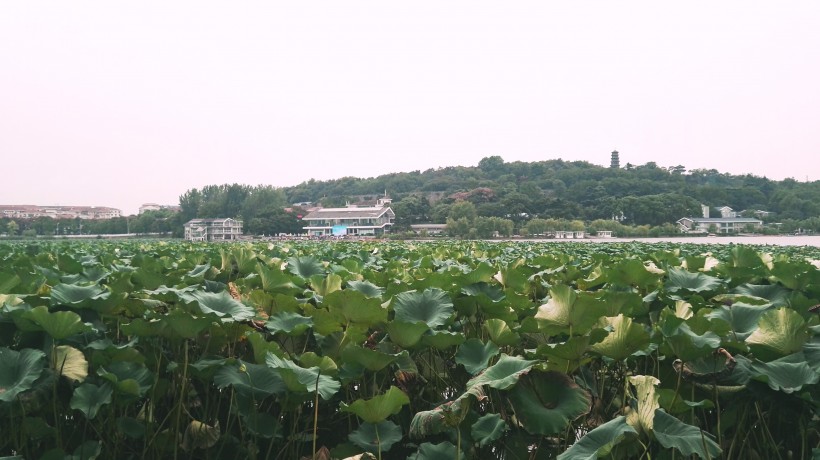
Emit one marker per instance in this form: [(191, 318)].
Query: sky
[(114, 103)]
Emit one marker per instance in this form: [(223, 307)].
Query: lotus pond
[(419, 351)]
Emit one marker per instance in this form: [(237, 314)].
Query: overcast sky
[(115, 103)]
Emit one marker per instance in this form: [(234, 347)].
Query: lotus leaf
[(221, 304), (374, 437), (682, 280), (70, 363), (599, 442), (59, 325), (72, 294), (441, 451), (545, 403), (488, 428), (500, 333), (626, 338), (503, 374), (305, 266), (475, 355), (372, 360), (355, 307), (303, 380), (18, 371), (780, 332), (687, 439), (292, 324), (406, 335), (378, 408), (252, 380), (431, 306), (441, 340), (89, 398)]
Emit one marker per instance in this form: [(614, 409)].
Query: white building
[(717, 224), (58, 212), (213, 229), (351, 220)]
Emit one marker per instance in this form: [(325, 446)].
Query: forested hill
[(639, 195)]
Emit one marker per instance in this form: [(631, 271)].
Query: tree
[(13, 227), (462, 209)]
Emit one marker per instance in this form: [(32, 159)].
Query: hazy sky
[(116, 103)]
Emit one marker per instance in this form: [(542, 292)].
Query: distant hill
[(646, 194), (638, 194)]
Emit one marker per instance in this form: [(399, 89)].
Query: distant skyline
[(122, 103)]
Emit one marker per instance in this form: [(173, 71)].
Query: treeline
[(646, 195), (634, 199), (161, 222)]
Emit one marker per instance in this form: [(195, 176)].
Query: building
[(213, 229), (429, 229), (351, 220), (58, 212), (614, 161), (717, 224), (604, 234), (158, 207)]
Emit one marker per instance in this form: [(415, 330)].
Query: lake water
[(813, 240)]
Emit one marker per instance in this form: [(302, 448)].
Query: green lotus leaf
[(18, 371), (787, 374), (442, 340), (59, 325), (683, 280), (367, 288), (626, 338), (431, 306), (599, 442), (355, 307), (616, 303), (221, 304), (441, 451), (305, 266), (780, 332), (406, 335), (72, 294), (564, 312), (292, 324), (299, 379), (500, 333), (378, 408), (89, 450), (8, 281), (70, 363), (253, 380), (324, 363), (275, 280), (741, 317), (684, 342), (89, 398), (372, 360), (686, 439), (128, 377), (503, 374), (324, 285), (631, 272), (475, 355), (546, 403), (37, 428), (488, 428), (774, 293), (131, 427), (374, 437), (794, 274)]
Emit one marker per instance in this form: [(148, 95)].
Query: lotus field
[(445, 350)]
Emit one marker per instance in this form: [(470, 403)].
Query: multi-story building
[(351, 220), (213, 229), (158, 207), (58, 212)]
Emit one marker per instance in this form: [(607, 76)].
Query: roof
[(718, 220), (210, 221), (346, 213)]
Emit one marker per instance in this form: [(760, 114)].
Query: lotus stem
[(315, 413)]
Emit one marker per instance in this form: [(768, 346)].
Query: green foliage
[(426, 350)]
